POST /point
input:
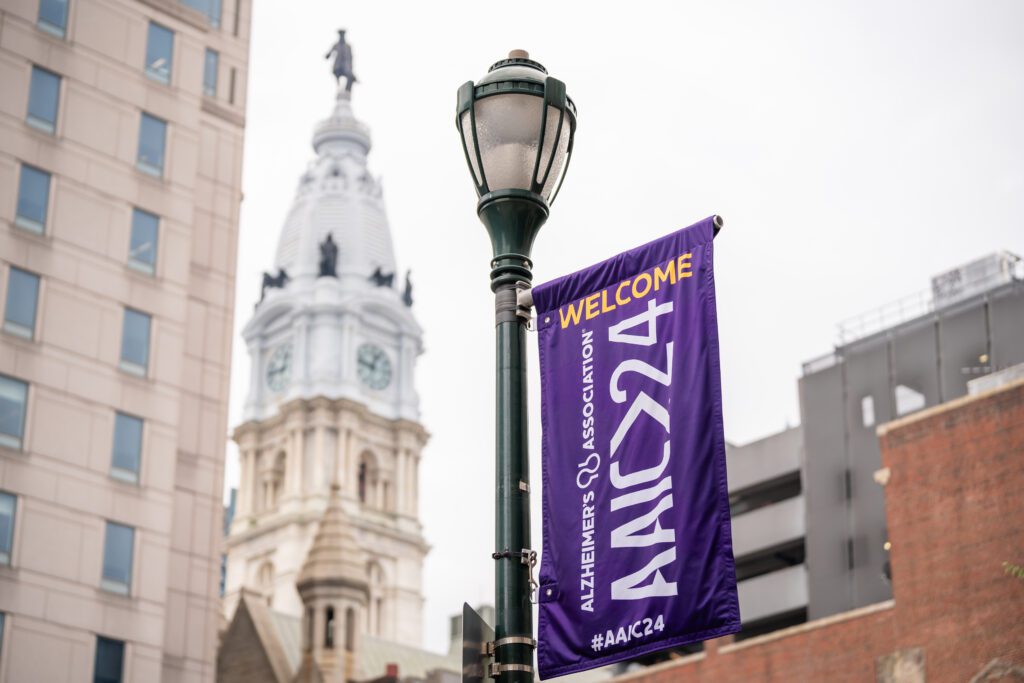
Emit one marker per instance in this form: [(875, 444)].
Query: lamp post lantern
[(517, 126)]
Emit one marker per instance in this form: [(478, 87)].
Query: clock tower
[(332, 405)]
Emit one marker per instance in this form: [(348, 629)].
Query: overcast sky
[(854, 149)]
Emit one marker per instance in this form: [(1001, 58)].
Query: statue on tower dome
[(342, 52)]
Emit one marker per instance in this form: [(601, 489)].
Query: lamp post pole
[(517, 126), (512, 222)]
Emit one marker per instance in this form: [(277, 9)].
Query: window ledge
[(211, 106), (113, 595), (182, 12), (42, 125), (133, 369), (141, 268), (149, 170), (51, 30), (8, 444), (30, 226), (19, 331)]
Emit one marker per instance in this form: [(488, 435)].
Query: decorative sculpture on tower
[(407, 294), (342, 52), (328, 257)]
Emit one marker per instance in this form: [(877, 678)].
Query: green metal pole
[(513, 219)]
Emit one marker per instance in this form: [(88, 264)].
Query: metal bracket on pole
[(498, 669), (493, 645), (524, 301)]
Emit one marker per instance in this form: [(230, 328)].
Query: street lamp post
[(517, 126)]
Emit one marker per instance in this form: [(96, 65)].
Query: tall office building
[(121, 127)]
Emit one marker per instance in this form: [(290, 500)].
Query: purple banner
[(637, 552)]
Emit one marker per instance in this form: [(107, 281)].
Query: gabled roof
[(275, 652)]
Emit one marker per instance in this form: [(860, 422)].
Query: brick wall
[(955, 502)]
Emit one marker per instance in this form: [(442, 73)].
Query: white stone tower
[(333, 346)]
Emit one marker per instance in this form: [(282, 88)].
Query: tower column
[(401, 504), (296, 454), (245, 484)]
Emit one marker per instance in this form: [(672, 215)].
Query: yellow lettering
[(604, 302), (592, 305), (683, 264), (641, 276), (661, 275), (573, 315), (618, 299)]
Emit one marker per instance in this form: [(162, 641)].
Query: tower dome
[(337, 195)]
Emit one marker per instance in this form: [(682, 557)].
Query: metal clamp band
[(510, 640), (498, 669)]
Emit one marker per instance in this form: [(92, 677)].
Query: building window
[(152, 140), (117, 558), (43, 100), (127, 453), (109, 665), (210, 67), (159, 52), (22, 300), (33, 199), (329, 628), (8, 503), (13, 397), (265, 580), (210, 8), (53, 16), (2, 620), (867, 411), (142, 248), (135, 342)]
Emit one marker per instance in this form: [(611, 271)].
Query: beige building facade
[(121, 130)]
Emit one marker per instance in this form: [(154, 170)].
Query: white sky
[(854, 149)]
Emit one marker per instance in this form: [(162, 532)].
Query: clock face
[(374, 366), (279, 369)]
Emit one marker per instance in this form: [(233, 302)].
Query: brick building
[(953, 477)]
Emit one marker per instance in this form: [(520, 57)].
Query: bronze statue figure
[(328, 257), (270, 281), (342, 52), (381, 280), (407, 294)]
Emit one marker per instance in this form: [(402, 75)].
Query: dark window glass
[(13, 395), (135, 342), (22, 299), (43, 99), (109, 664), (7, 506), (152, 138), (159, 52), (117, 558), (127, 448), (33, 198), (1, 630), (329, 628), (210, 67), (53, 16), (142, 250), (211, 8)]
